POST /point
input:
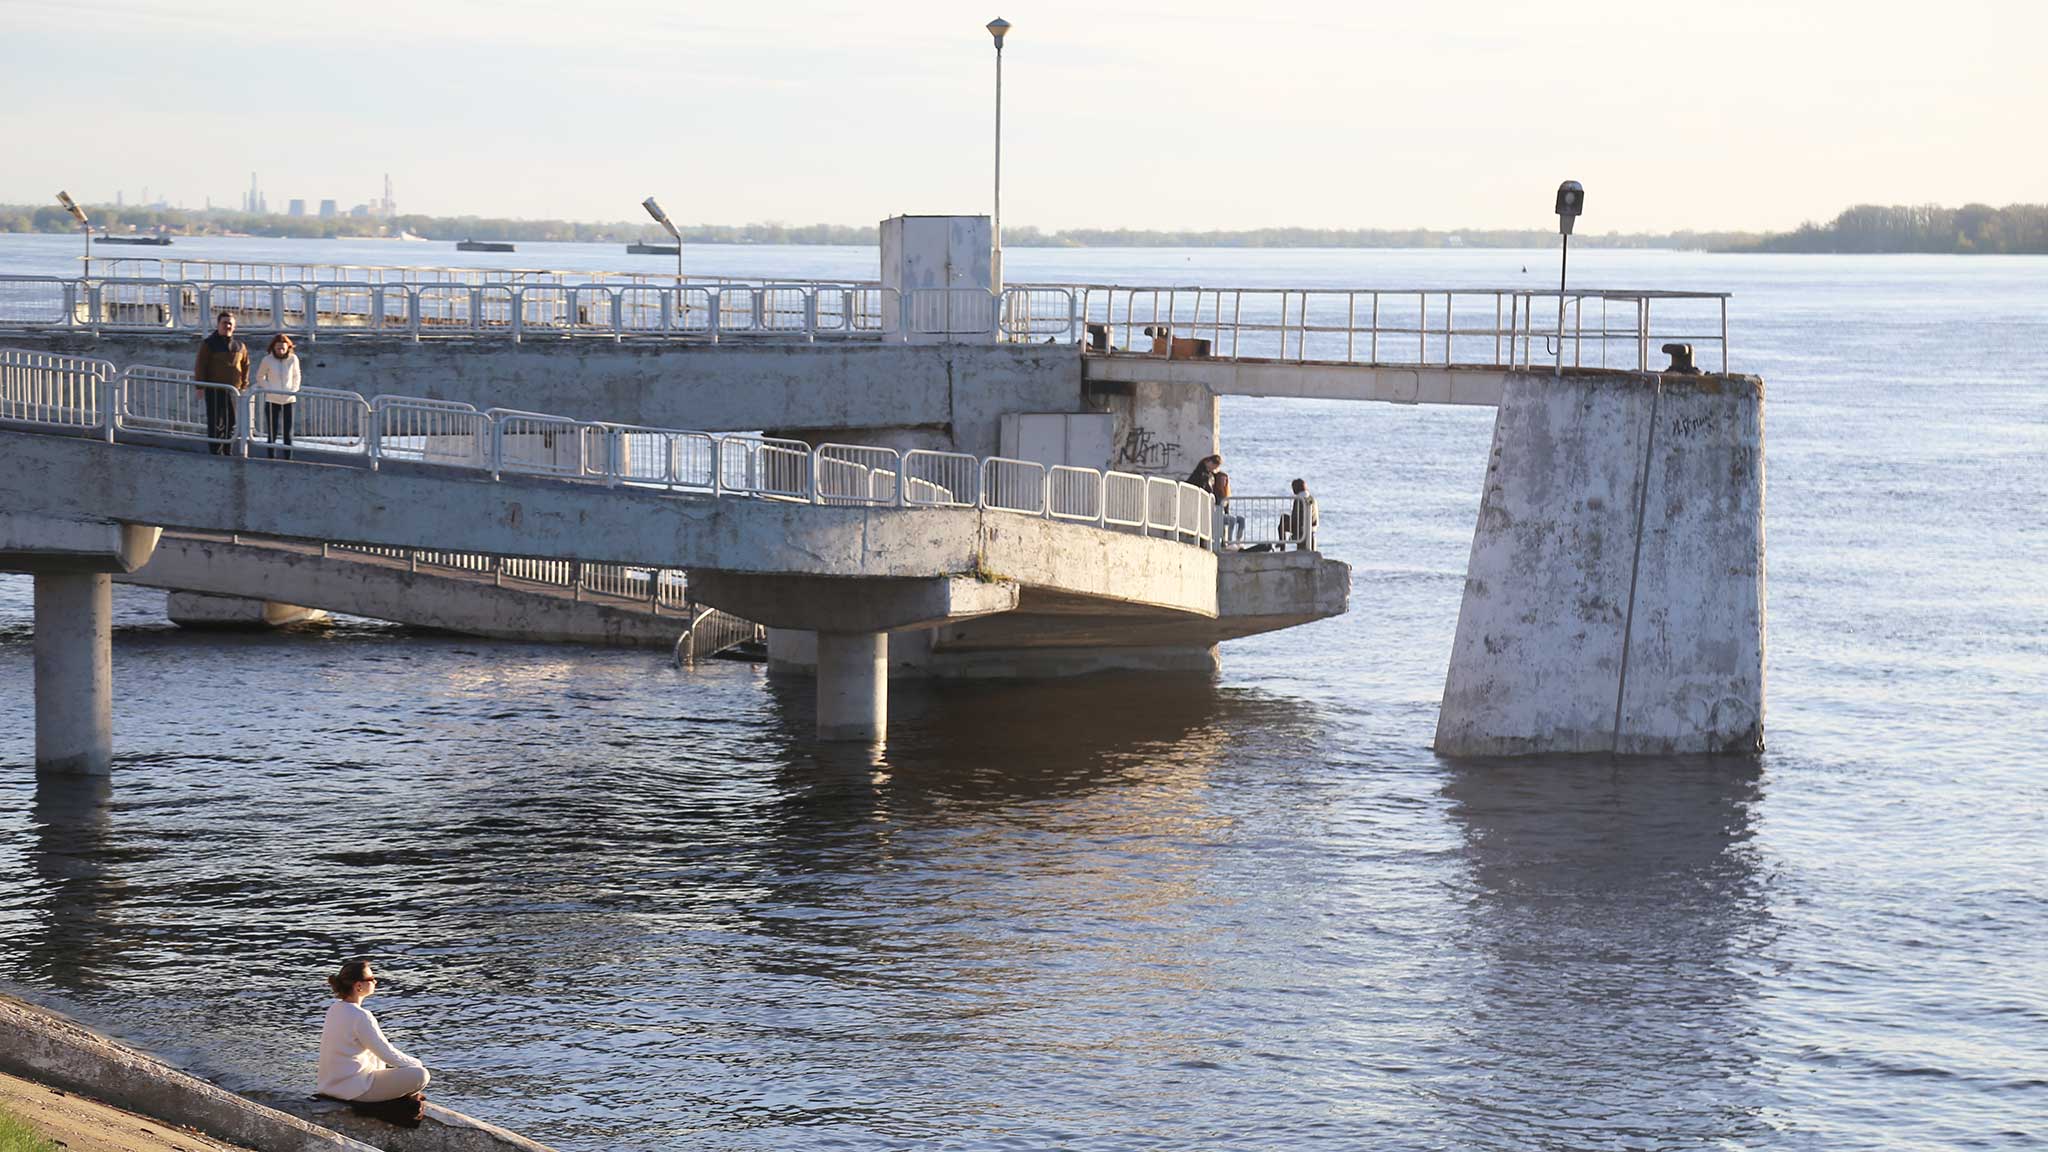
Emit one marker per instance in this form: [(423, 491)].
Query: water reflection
[(72, 940), (1615, 909)]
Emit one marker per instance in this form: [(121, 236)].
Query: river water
[(630, 907)]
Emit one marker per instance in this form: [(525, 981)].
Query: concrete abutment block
[(1614, 600)]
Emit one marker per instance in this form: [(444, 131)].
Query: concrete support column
[(74, 661), (853, 686)]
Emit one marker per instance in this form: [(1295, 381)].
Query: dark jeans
[(279, 417), (220, 420)]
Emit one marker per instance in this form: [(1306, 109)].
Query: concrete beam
[(1390, 384), (816, 603), (74, 672), (1615, 597), (30, 542)]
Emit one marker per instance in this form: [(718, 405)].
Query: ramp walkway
[(506, 598)]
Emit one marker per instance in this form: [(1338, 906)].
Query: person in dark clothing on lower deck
[(222, 360)]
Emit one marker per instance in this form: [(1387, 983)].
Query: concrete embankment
[(78, 1124), (49, 1049)]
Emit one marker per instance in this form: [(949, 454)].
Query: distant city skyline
[(1188, 115)]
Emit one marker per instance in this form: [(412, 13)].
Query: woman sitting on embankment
[(356, 1061)]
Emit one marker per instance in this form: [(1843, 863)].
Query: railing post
[(576, 580), (518, 312)]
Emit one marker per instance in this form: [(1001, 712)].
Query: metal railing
[(1268, 521), (712, 632), (655, 589), (147, 402), (47, 388), (1509, 328), (1493, 327)]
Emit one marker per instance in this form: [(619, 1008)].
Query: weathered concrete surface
[(385, 589), (74, 672), (1050, 634), (36, 543), (64, 476), (442, 1130), (1615, 596), (1158, 427), (853, 686), (206, 610), (42, 1046), (1397, 385), (823, 602), (738, 385)]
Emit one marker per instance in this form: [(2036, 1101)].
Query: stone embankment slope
[(51, 1051)]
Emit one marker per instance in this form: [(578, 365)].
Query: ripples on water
[(632, 907)]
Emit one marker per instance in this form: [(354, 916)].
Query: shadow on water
[(1616, 913)]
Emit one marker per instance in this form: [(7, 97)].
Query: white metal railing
[(48, 388), (656, 589), (1497, 327), (82, 396), (1478, 327), (941, 479), (1013, 485), (1268, 521), (712, 632)]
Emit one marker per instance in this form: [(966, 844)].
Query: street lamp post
[(1571, 199), (679, 314), (997, 28), (78, 214), (661, 218)]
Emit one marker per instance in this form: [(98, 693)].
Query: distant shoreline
[(2017, 229)]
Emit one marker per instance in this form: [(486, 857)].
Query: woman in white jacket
[(356, 1061), (276, 378)]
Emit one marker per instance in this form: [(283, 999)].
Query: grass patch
[(17, 1136)]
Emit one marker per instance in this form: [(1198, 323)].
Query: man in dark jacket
[(222, 360)]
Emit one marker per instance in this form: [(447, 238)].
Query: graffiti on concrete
[(1141, 451)]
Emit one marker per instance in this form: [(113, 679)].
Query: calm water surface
[(632, 907)]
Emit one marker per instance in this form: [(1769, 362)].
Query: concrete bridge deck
[(851, 542)]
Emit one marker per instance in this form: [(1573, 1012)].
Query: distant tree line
[(2013, 229)]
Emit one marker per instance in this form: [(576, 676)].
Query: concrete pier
[(74, 672), (853, 686), (1614, 601)]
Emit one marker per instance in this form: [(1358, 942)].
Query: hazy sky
[(1191, 113)]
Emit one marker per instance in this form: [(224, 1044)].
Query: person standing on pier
[(356, 1062), (277, 381), (222, 360)]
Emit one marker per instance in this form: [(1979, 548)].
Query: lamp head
[(1571, 200), (72, 207), (997, 28), (660, 217)]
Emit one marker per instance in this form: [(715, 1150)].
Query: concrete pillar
[(1614, 601), (853, 686), (74, 660)]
